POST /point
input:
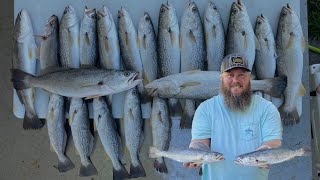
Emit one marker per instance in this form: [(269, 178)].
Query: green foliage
[(314, 18)]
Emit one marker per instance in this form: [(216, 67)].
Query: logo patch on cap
[(237, 61)]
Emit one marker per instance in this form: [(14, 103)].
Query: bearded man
[(235, 122)]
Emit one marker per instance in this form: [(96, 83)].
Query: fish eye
[(100, 98), (99, 116), (259, 22), (234, 11), (194, 9), (284, 13), (147, 18), (162, 10), (265, 39), (134, 92), (65, 11), (214, 7), (126, 74)]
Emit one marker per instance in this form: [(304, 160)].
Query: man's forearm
[(200, 144)]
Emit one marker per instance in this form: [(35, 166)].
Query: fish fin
[(144, 77), (143, 42), (20, 79), (214, 31), (174, 107), (154, 152), (159, 117), (95, 125), (106, 44), (172, 40), (180, 41), (88, 170), (192, 71), (305, 152), (257, 44), (52, 69), (137, 171), (120, 174), (303, 44), (160, 166), (30, 53), (76, 152), (131, 114), (187, 114), (193, 83), (275, 55), (72, 117), (291, 40), (87, 39), (31, 120), (192, 37), (64, 166), (92, 97), (278, 85), (51, 114), (302, 90), (70, 38), (289, 117), (51, 148)]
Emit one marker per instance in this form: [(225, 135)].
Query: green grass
[(314, 19)]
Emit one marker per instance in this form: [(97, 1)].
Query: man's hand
[(197, 144), (268, 145), (192, 165)]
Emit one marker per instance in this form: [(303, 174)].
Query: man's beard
[(236, 102)]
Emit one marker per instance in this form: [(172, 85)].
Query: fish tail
[(279, 84), (305, 152), (31, 120), (88, 170), (154, 152), (187, 115), (120, 174), (174, 107), (64, 165), (137, 171), (160, 166), (289, 117), (20, 79)]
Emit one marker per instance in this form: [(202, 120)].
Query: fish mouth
[(90, 12), (220, 158), (167, 5), (69, 9), (134, 78), (52, 19), (239, 4), (288, 8), (146, 15), (262, 18), (238, 161), (121, 12)]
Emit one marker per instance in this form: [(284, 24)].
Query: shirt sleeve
[(271, 124), (201, 126)]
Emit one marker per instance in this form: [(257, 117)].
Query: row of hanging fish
[(189, 47)]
